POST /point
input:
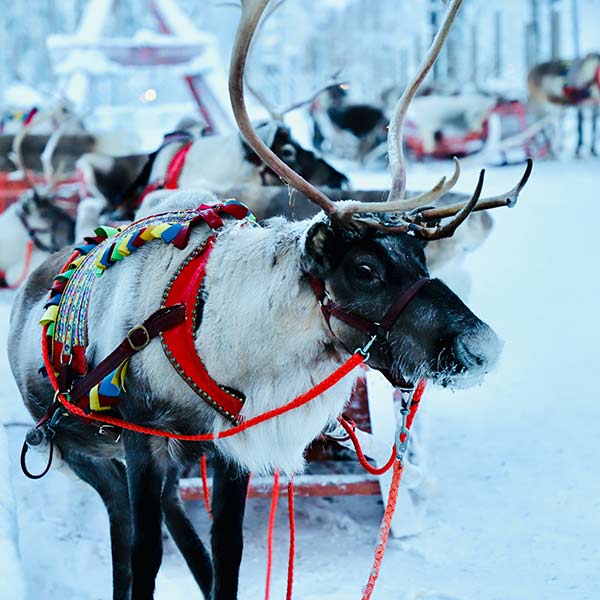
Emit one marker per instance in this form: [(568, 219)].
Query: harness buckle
[(137, 346)]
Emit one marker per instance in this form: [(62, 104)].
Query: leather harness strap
[(136, 339), (377, 331), (329, 308)]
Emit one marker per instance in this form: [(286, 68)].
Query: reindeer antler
[(17, 155), (252, 11), (415, 215), (277, 113), (46, 157), (395, 132)]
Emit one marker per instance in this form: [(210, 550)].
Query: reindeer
[(43, 218), (568, 83), (261, 328), (211, 162), (363, 126)]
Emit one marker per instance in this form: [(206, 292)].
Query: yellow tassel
[(120, 374), (77, 262), (123, 249), (147, 235), (50, 315), (95, 400), (158, 230)]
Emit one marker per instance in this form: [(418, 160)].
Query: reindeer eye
[(287, 152), (366, 273)]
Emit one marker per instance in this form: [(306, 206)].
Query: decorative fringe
[(107, 393)]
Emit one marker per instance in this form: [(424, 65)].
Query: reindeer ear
[(318, 253)]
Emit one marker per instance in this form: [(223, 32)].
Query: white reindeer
[(258, 323)]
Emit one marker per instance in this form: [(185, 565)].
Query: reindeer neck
[(259, 314), (262, 333)]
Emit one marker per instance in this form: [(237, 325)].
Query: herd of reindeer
[(92, 187), (264, 328)]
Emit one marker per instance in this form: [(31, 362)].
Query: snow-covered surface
[(515, 491)]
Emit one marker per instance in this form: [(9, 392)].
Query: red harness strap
[(175, 167), (171, 179), (178, 341)]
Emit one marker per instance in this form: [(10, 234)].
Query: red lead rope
[(320, 388), (388, 515)]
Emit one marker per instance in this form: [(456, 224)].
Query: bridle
[(378, 331), (56, 215)]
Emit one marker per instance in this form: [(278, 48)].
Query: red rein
[(320, 388)]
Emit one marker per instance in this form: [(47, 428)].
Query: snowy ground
[(513, 512)]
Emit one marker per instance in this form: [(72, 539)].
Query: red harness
[(175, 322), (176, 166), (178, 341)]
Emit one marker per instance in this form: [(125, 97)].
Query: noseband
[(378, 331)]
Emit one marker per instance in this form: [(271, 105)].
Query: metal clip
[(403, 430), (54, 421), (365, 349), (110, 430)]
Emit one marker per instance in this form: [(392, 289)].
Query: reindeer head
[(38, 208), (365, 261), (585, 71)]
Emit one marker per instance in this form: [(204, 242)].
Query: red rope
[(273, 512), (320, 388), (384, 531), (23, 276), (390, 509), (292, 523), (204, 475), (361, 455)]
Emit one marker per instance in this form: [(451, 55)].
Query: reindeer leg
[(182, 531), (108, 478), (145, 478), (580, 122), (595, 116), (228, 504)]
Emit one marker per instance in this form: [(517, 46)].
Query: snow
[(514, 496)]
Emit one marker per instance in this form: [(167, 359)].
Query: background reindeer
[(262, 331), (569, 83), (363, 126), (43, 219), (213, 162)]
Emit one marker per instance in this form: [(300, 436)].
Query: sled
[(332, 466), (507, 134)]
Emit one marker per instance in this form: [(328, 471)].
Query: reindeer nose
[(478, 349)]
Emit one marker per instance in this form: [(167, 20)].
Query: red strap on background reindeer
[(175, 167)]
